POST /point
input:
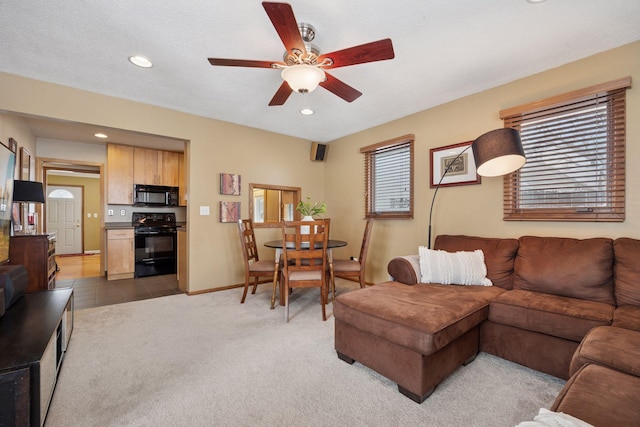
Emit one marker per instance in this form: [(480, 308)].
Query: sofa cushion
[(601, 396), (567, 267), (554, 315), (612, 347), (627, 316), (423, 317), (626, 271), (499, 254)]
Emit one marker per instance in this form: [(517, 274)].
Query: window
[(388, 174), (271, 204), (575, 148)]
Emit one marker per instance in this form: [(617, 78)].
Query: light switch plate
[(110, 212), (204, 210)]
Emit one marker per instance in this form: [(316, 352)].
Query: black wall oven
[(155, 236)]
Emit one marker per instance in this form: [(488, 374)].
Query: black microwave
[(154, 195)]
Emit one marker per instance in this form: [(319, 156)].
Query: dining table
[(277, 245)]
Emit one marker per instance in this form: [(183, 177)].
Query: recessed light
[(101, 135), (535, 1), (140, 61), (306, 111)]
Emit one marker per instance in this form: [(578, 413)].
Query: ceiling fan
[(303, 66)]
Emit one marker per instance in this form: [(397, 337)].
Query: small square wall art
[(230, 184), (229, 211)]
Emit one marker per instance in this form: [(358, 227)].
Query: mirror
[(271, 204)]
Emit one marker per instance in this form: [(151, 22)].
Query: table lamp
[(28, 192), (496, 153)]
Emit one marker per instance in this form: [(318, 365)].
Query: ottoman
[(414, 335)]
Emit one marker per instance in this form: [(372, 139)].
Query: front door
[(64, 216)]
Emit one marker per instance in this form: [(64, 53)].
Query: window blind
[(389, 178), (575, 148)]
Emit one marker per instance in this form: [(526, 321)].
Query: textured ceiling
[(444, 50)]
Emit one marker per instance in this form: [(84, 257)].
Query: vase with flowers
[(309, 210)]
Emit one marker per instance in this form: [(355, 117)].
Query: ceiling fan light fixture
[(303, 78)]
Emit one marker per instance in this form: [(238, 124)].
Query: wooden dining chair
[(305, 259), (253, 267), (353, 269)]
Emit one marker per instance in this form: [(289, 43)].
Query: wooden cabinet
[(127, 165), (37, 252), (182, 180), (34, 335), (120, 254), (169, 162), (183, 282), (155, 167), (119, 174)]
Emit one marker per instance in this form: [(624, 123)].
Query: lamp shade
[(498, 152), (28, 191), (303, 78)]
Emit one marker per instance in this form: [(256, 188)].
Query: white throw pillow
[(546, 418), (457, 268)]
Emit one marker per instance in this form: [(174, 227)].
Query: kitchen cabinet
[(156, 167), (120, 254), (183, 283), (37, 252), (119, 174), (182, 180), (34, 336)]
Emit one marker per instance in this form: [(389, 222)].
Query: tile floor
[(97, 291)]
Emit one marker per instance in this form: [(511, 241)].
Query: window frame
[(370, 152), (614, 94)]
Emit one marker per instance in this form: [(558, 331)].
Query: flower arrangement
[(310, 208)]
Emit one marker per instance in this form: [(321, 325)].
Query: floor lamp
[(496, 153), (28, 192)]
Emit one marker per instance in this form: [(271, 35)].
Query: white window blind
[(575, 148), (389, 178)]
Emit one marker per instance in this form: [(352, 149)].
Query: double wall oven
[(155, 236)]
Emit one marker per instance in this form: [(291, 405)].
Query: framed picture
[(13, 145), (454, 165), (25, 164), (230, 184), (229, 211)]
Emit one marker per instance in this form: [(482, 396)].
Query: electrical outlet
[(123, 212), (204, 210)]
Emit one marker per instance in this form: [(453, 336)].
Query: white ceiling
[(444, 50)]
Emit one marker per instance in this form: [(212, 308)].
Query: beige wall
[(91, 206), (16, 128), (213, 147), (475, 209)]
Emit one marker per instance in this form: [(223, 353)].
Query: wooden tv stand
[(34, 335)]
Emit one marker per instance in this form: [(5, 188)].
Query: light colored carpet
[(207, 360)]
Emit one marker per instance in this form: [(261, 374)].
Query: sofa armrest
[(405, 269)]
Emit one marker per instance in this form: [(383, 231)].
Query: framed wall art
[(13, 145), (25, 164), (230, 184), (229, 211), (460, 163)]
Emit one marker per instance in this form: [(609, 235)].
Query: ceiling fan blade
[(281, 96), (241, 63), (284, 21), (369, 52), (340, 88)]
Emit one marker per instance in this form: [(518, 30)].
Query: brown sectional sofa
[(547, 294)]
